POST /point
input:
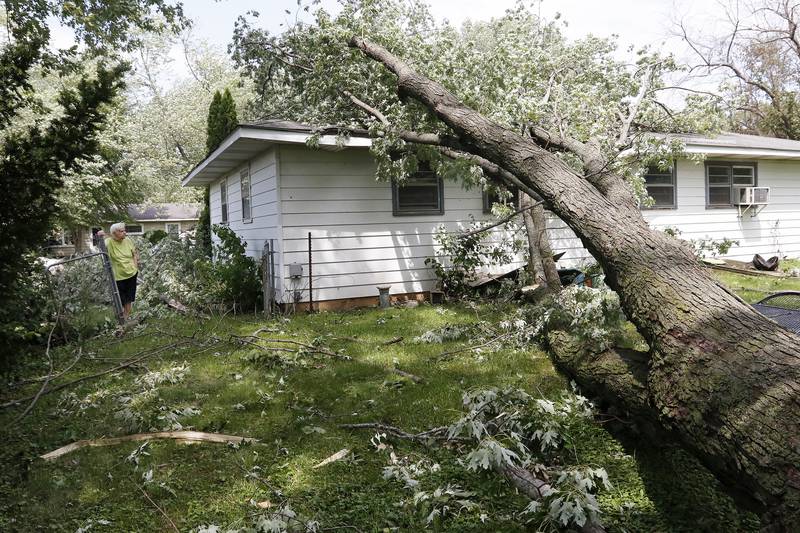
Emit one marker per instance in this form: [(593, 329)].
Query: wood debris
[(338, 456), (180, 436)]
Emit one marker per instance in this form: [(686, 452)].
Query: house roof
[(250, 139), (739, 145), (164, 212)]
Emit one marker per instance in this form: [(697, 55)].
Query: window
[(494, 196), (421, 194), (244, 179), (223, 198), (173, 228), (660, 185), (723, 178), (60, 238), (134, 229)]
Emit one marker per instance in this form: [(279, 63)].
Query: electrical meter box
[(295, 270)]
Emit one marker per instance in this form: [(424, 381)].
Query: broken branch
[(409, 375), (181, 436), (126, 364), (444, 355), (154, 504), (499, 222)]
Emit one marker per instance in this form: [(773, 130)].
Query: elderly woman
[(124, 263)]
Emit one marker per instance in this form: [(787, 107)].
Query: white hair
[(117, 227)]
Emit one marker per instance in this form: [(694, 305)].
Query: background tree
[(222, 121), (757, 51), (35, 159), (165, 135), (517, 102)]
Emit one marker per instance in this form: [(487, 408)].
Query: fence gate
[(268, 276)]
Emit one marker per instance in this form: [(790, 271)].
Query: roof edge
[(272, 135)]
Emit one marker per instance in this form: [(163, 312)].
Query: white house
[(269, 186), (700, 199)]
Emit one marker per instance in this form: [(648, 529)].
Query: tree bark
[(545, 251), (724, 377), (540, 254), (535, 266)]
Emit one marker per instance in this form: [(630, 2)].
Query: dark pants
[(127, 289)]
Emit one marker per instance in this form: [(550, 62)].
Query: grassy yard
[(198, 378), (754, 288)]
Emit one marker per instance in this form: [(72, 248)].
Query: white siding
[(357, 244), (264, 200), (775, 231)]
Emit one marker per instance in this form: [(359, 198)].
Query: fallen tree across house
[(722, 376)]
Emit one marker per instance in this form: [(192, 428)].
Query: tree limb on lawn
[(522, 479), (126, 364), (182, 436)]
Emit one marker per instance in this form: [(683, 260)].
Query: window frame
[(242, 173), (730, 164), (399, 211), (223, 201), (168, 224), (129, 232), (674, 185)]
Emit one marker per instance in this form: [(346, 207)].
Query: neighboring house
[(172, 218), (269, 186)]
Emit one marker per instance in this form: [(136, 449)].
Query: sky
[(637, 23)]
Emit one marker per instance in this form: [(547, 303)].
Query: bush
[(237, 274), (23, 311), (155, 236), (462, 254)]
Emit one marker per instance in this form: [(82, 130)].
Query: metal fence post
[(266, 277)]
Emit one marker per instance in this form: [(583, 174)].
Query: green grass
[(294, 411), (754, 288)]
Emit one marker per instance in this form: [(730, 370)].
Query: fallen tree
[(722, 376)]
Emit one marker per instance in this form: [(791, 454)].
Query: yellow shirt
[(121, 254)]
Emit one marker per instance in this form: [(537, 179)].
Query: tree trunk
[(540, 261), (724, 377), (535, 266), (545, 251)]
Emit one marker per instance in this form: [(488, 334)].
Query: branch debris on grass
[(180, 436)]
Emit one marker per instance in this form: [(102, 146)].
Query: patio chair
[(782, 307)]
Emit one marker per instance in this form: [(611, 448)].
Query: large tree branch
[(633, 107), (492, 170), (447, 146), (544, 172)]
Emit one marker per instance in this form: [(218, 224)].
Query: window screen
[(419, 194), (660, 185), (723, 178)]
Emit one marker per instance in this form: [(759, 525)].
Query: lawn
[(753, 288), (198, 376)]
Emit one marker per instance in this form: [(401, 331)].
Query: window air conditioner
[(751, 196)]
